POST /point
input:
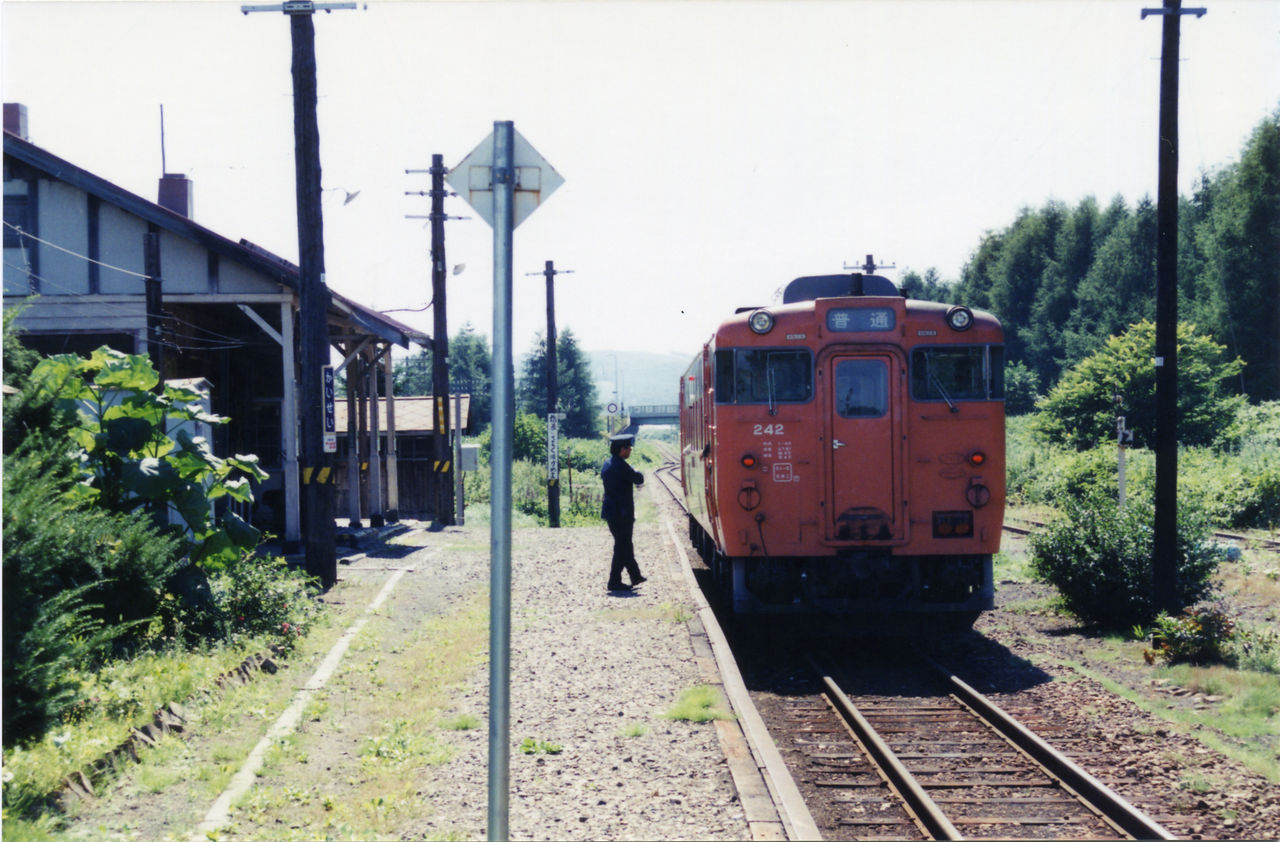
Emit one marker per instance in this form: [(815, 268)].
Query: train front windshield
[(764, 375), (958, 373)]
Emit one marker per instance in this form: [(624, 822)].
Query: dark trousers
[(624, 552)]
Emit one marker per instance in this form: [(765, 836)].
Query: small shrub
[(531, 746), (1197, 636), (262, 596), (1257, 649), (1099, 557)]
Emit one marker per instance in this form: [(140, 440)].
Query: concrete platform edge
[(770, 799)]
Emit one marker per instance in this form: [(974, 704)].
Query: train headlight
[(960, 318), (978, 495), (761, 321), (977, 458), (749, 461)]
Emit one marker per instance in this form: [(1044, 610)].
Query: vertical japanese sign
[(330, 413), (553, 445)]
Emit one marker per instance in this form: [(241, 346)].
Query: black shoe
[(637, 580), (619, 587)]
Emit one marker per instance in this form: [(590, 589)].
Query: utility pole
[(553, 395), (1165, 552), (440, 349), (318, 497), (443, 463)]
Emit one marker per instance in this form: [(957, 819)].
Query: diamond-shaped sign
[(535, 179)]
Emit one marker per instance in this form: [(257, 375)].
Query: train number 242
[(768, 430)]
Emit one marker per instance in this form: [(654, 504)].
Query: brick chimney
[(15, 119), (176, 193)]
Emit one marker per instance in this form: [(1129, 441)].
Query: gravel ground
[(585, 665)]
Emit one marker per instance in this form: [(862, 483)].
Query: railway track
[(895, 750), (905, 752), (1027, 526)]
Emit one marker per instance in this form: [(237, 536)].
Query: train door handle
[(836, 444)]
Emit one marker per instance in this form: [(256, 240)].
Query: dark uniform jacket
[(619, 480)]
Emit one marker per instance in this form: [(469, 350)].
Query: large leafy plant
[(129, 460)]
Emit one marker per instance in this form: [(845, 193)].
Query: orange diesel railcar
[(844, 452)]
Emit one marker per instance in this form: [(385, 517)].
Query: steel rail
[(924, 808), (1096, 794)]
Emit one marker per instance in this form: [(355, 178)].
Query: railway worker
[(619, 510)]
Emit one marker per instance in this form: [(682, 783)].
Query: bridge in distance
[(638, 416)]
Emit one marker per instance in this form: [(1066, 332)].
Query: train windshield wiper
[(938, 384), (769, 379)]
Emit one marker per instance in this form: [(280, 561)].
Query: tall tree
[(578, 399), (576, 387), (1240, 242)]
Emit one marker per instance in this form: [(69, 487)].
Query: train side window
[(957, 373), (724, 376), (862, 388)]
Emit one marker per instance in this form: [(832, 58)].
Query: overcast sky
[(711, 151)]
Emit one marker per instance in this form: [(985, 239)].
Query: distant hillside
[(643, 377)]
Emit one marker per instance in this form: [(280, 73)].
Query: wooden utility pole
[(443, 462), (318, 492), (553, 392), (1165, 551), (444, 467)]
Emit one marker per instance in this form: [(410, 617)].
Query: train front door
[(863, 448)]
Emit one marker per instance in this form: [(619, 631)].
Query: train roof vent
[(811, 287)]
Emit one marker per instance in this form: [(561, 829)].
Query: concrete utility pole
[(1165, 551), (318, 493), (553, 393)]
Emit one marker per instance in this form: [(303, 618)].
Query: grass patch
[(700, 703), (1248, 738), (633, 729), (460, 722), (1013, 566), (121, 696), (391, 695)]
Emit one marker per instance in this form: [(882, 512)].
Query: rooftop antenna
[(871, 265)]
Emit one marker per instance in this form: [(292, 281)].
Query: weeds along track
[(895, 748)]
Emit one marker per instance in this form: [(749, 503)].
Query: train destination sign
[(859, 319)]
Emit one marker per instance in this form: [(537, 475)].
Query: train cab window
[(862, 388), (958, 373), (764, 375)]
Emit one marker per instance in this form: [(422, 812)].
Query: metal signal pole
[(318, 497), (553, 393), (1165, 550)]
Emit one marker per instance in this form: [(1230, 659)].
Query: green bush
[(79, 583), (1099, 557), (1234, 488), (263, 597), (127, 459), (1197, 636)]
